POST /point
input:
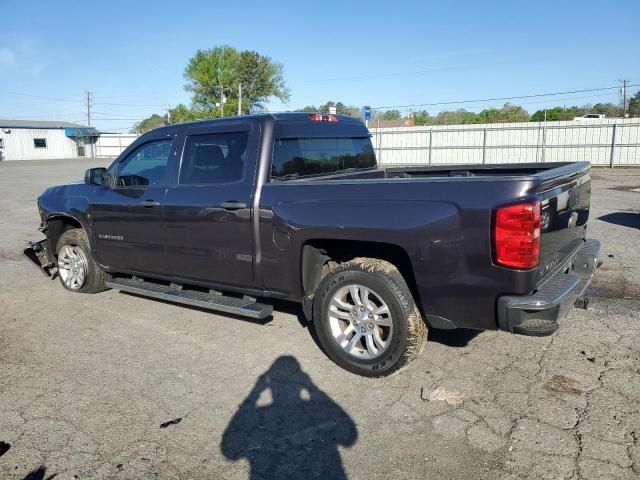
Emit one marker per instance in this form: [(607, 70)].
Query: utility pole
[(168, 113), (221, 101), (91, 143), (88, 108), (239, 99), (624, 97)]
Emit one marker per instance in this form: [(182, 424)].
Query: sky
[(131, 54)]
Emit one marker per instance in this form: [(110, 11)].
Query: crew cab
[(228, 213)]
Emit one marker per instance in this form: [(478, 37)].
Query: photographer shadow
[(287, 428)]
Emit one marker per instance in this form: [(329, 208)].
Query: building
[(403, 122), (40, 140)]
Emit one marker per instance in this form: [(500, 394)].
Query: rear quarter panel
[(443, 225)]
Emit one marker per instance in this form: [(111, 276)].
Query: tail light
[(516, 235), (321, 117)]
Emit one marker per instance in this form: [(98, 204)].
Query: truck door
[(127, 214), (208, 206)]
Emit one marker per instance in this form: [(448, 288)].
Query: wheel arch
[(318, 253), (56, 225)]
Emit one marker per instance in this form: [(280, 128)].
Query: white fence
[(113, 144), (607, 142), (610, 142)]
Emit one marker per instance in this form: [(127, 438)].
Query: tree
[(634, 105), (422, 118), (154, 121), (213, 77), (391, 115), (557, 113), (508, 113), (341, 108), (608, 109), (460, 116)]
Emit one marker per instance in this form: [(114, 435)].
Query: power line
[(72, 100), (42, 97), (111, 114), (537, 95), (131, 104), (118, 119), (396, 74), (539, 101)]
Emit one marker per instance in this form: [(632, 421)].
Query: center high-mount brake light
[(516, 235), (321, 117)]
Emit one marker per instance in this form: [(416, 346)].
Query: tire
[(74, 245), (397, 337)]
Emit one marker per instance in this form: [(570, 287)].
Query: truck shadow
[(459, 337), (287, 428), (625, 219)]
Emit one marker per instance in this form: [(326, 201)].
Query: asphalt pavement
[(115, 386)]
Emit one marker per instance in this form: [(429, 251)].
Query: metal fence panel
[(600, 142)]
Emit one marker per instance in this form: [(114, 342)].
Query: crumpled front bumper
[(538, 314), (37, 254)]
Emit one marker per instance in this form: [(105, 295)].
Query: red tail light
[(516, 235), (321, 117)]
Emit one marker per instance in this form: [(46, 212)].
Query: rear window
[(298, 157)]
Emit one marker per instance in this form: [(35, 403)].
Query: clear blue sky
[(361, 53)]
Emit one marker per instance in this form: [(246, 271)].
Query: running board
[(246, 306)]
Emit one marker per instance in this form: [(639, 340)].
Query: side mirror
[(95, 176)]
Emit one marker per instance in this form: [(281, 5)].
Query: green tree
[(508, 113), (457, 117), (341, 108), (391, 115), (634, 105), (214, 76), (154, 121), (557, 113), (610, 110), (422, 118)]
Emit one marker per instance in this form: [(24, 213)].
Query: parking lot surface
[(118, 386)]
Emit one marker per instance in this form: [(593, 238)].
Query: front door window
[(146, 166)]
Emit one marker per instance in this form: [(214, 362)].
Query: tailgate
[(565, 199)]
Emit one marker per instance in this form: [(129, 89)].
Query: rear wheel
[(77, 269), (366, 318)]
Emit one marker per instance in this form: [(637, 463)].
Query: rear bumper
[(538, 313)]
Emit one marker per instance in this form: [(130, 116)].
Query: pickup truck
[(226, 214)]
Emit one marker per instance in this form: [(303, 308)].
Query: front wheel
[(366, 319), (77, 269)]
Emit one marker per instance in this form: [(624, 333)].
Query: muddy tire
[(366, 319), (77, 270)]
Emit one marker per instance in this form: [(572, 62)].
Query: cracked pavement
[(86, 381)]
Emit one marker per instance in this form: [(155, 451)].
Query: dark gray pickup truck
[(225, 214)]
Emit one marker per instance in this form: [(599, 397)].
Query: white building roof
[(38, 124)]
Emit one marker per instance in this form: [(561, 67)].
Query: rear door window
[(298, 157), (214, 159)]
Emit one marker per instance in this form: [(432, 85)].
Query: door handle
[(150, 203), (233, 205)]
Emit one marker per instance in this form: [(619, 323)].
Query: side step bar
[(246, 307)]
